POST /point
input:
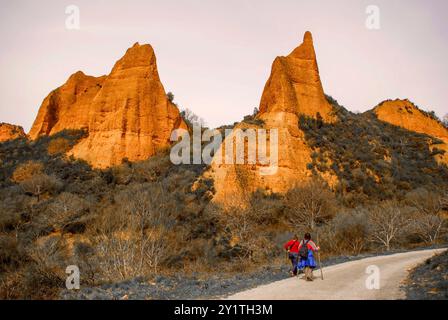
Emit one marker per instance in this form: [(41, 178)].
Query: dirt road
[(371, 278)]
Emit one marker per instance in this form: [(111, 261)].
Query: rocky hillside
[(429, 281), (405, 114), (10, 132), (371, 159), (391, 149)]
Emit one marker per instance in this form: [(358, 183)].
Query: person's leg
[(311, 263), (294, 264), (310, 274), (301, 265), (291, 257)]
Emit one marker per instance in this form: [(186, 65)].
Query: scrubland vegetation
[(148, 218)]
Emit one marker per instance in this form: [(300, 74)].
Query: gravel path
[(346, 281), (196, 286)]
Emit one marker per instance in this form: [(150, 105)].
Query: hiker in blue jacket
[(307, 248)]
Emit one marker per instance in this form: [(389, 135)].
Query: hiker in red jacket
[(292, 247)]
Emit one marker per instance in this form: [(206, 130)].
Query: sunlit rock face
[(294, 85), (293, 90), (405, 114), (10, 132), (126, 114)]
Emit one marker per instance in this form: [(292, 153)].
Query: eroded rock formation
[(293, 89), (126, 114), (294, 85)]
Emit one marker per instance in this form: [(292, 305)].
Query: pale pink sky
[(216, 55)]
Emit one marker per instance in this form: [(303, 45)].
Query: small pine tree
[(255, 112), (170, 97)]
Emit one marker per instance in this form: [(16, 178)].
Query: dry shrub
[(428, 220), (40, 184), (309, 204), (200, 255), (9, 219), (151, 169), (87, 262), (26, 171), (33, 181), (265, 209), (130, 238), (144, 171), (241, 228), (10, 256), (58, 146), (350, 232), (42, 277), (11, 285), (127, 256), (122, 174), (66, 209)]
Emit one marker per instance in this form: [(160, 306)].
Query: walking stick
[(318, 257)]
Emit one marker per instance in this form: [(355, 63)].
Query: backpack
[(303, 252)]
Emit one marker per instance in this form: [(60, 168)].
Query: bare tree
[(27, 170), (238, 226), (170, 97), (240, 221), (149, 209), (444, 200), (39, 184), (46, 268), (387, 223), (351, 231), (192, 119), (428, 221), (134, 245), (429, 227), (66, 209), (309, 204), (118, 255), (87, 261)]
